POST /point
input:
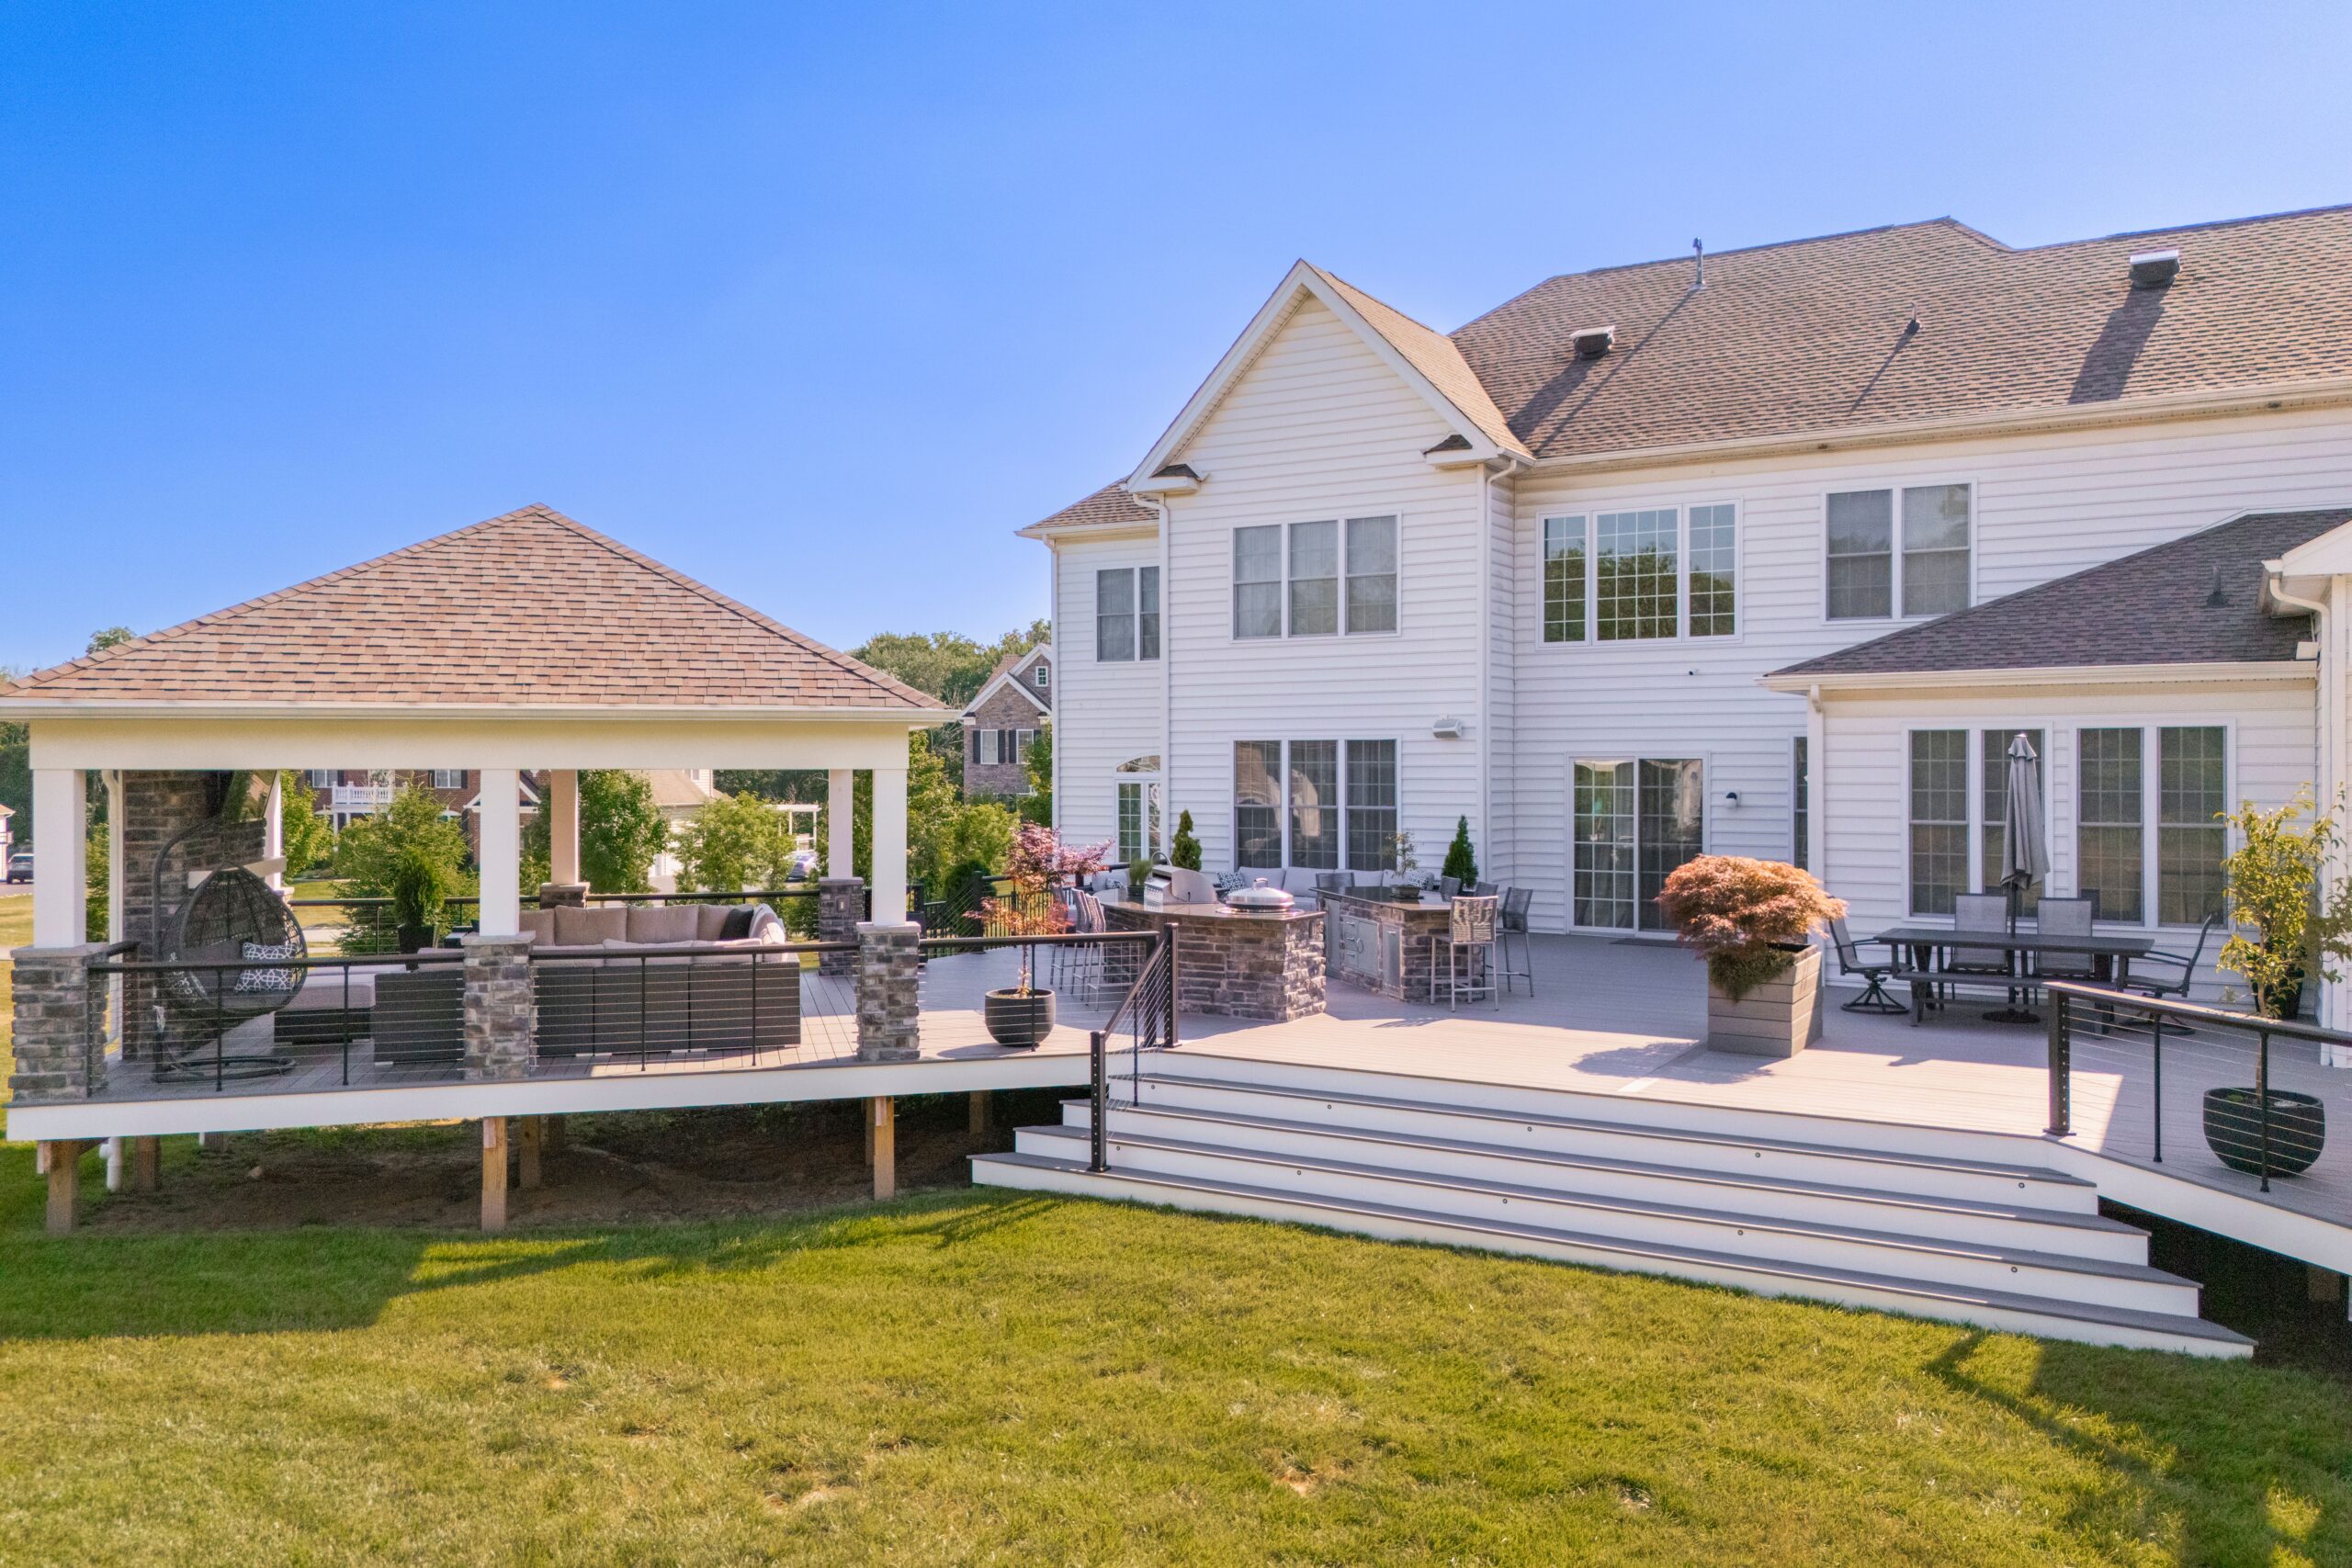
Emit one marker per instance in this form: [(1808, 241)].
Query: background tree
[(1185, 850), (109, 637), (733, 843), (1037, 805), (402, 851), (99, 884), (308, 837), (621, 830), (16, 746), (1461, 862)]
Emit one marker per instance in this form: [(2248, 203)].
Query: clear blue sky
[(819, 303)]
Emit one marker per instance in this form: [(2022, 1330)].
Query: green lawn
[(987, 1377)]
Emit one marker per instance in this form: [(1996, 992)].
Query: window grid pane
[(1146, 618), (1372, 805), (1257, 582), (1256, 813), (1714, 568), (1935, 550), (1604, 845), (2109, 841), (1800, 787), (1313, 805), (1939, 818), (1672, 809), (1314, 579), (1564, 579), (1114, 615), (1860, 551), (1130, 823), (2191, 793), (1372, 574), (1639, 596), (1995, 804)]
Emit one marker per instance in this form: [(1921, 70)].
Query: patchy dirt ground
[(619, 1169)]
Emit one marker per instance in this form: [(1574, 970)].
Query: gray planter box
[(1778, 1018)]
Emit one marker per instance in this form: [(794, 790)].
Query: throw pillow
[(739, 922), (710, 921), (250, 981)]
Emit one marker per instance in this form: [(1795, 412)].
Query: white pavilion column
[(564, 824), (841, 810), (502, 852), (272, 826), (889, 846), (61, 856)]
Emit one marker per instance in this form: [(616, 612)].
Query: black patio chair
[(2181, 973), (1511, 926), (1875, 976)]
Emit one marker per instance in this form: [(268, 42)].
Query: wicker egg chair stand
[(217, 988)]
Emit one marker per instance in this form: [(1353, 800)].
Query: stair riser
[(1388, 1228), (1646, 1229), (1729, 1196), (1646, 1147), (1660, 1110)]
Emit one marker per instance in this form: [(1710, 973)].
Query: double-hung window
[(1314, 805), (323, 778), (1320, 578), (1939, 819), (2116, 858), (1044, 672), (2110, 843), (1634, 821), (1908, 547), (1126, 615), (448, 778), (1657, 573)]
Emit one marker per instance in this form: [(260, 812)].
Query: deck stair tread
[(1335, 1099), (1550, 1159), (1766, 1224), (1932, 1297)]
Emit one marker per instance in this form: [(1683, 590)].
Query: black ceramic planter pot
[(2234, 1130), (1018, 1021)]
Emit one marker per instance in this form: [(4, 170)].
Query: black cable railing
[(2251, 1090), (368, 928), (1148, 1012)]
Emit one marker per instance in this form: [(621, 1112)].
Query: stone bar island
[(1236, 963), (1386, 945)]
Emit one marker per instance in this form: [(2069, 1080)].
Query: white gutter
[(1486, 651), (2329, 719), (2205, 673), (22, 709)]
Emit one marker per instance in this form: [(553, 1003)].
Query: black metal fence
[(365, 926), (1146, 1016), (2198, 1086)]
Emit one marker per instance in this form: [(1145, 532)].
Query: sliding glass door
[(1635, 821)]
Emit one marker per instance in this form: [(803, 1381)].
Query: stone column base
[(888, 977), (60, 1025), (841, 911), (502, 1018), (563, 895)]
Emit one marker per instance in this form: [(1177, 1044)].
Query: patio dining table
[(2110, 956)]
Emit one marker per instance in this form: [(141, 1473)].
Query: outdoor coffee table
[(2110, 956)]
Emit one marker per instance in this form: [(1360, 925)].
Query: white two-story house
[(1767, 553)]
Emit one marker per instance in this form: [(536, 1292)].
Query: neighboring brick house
[(343, 795), (1013, 704)]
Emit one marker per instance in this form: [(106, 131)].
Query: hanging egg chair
[(228, 936)]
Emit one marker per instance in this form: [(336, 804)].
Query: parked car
[(20, 866), (802, 866)]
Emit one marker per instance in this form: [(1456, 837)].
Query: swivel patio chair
[(1875, 976), (239, 951), (2178, 973)]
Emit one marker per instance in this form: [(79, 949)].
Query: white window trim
[(2150, 777), (1311, 638), (1895, 617), (1282, 801), (1798, 744), (1682, 634), (1134, 615), (1154, 852), (1638, 753)]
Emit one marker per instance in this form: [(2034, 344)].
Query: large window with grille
[(1939, 819), (1657, 573), (1326, 577), (1257, 809), (1372, 805), (1887, 548), (2109, 839), (1634, 821), (1316, 804), (2192, 790)]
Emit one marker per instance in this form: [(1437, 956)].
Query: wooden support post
[(212, 1140), (882, 1134), (527, 1152), (146, 1164), (979, 1113), (2322, 1284), (64, 1161), (869, 1132), (494, 1173)]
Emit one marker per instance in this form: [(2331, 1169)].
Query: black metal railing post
[(2156, 1043), (2262, 1099), (2061, 1048), (1099, 1156)]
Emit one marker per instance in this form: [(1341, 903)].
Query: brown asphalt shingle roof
[(2150, 608), (1437, 358), (1109, 504), (523, 610), (1811, 335)]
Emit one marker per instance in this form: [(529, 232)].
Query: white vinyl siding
[(1105, 711)]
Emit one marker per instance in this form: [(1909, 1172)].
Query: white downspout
[(1486, 719), (2330, 697), (1816, 798), (1061, 673), (1168, 806)]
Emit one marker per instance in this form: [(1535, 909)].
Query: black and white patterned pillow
[(252, 980)]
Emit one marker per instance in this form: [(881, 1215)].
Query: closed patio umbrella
[(2024, 850)]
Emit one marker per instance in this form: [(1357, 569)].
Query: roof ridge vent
[(1592, 343), (2155, 269)]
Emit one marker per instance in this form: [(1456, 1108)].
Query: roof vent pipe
[(1699, 252), (2155, 269), (1592, 343)]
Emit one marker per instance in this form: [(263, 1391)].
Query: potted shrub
[(1185, 850), (420, 885), (1022, 1015), (1751, 919)]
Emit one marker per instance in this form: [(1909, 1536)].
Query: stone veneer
[(1235, 965), (58, 1008), (563, 895), (157, 808), (890, 970), (841, 909), (502, 1018)]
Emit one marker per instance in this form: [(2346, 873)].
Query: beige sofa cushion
[(588, 928), (664, 927), (710, 921), (539, 925)]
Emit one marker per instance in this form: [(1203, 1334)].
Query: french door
[(1635, 820)]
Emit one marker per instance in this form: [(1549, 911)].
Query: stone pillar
[(563, 895), (841, 909), (60, 1015), (500, 853), (502, 1022), (563, 825), (61, 850), (888, 972)]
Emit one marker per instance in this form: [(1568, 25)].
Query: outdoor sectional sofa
[(716, 982)]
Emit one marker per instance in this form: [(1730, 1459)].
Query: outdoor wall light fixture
[(1447, 727)]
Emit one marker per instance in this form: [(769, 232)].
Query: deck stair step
[(1769, 1197), (1646, 1142), (2092, 1322), (1729, 1233)]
